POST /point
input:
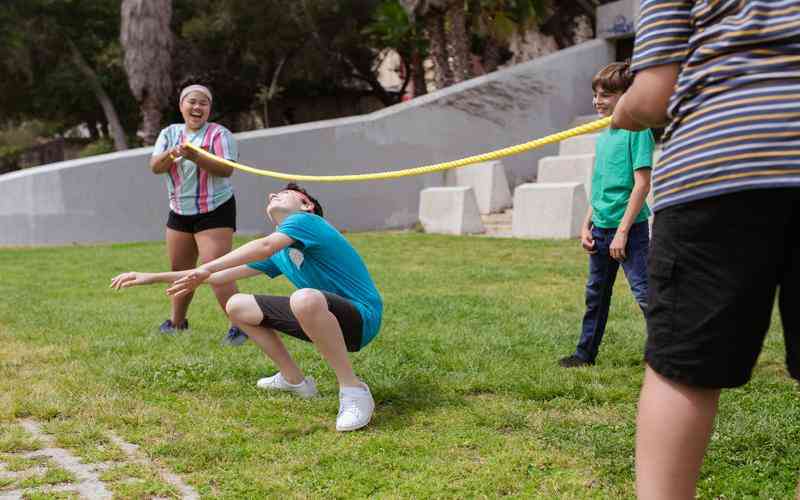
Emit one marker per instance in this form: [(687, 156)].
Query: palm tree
[(460, 55), (147, 42), (433, 16)]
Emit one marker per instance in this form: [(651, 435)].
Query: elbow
[(647, 111), (649, 116), (265, 250), (643, 188)]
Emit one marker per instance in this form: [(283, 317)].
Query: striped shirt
[(192, 190), (735, 112)]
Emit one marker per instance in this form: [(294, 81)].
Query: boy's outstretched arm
[(644, 104), (126, 280), (252, 251), (133, 278)]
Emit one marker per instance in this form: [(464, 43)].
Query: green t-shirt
[(617, 154)]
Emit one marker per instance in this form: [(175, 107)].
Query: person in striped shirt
[(202, 216), (724, 76)]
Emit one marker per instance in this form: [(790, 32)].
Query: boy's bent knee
[(307, 301), (237, 305)]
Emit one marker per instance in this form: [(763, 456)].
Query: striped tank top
[(191, 189), (735, 112)]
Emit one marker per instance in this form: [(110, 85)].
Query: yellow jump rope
[(424, 169)]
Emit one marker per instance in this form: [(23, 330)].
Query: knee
[(236, 306), (307, 301)]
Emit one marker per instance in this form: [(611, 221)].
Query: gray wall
[(115, 198)]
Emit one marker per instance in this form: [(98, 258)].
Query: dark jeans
[(600, 285)]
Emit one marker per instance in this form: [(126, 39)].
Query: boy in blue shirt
[(336, 306), (616, 231)]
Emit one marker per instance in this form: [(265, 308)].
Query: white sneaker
[(305, 389), (355, 408)]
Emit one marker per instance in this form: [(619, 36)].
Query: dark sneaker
[(573, 361), (235, 337), (168, 327)]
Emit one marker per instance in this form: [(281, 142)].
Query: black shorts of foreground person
[(336, 306)]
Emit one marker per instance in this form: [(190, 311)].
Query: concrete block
[(449, 210), (578, 145), (573, 168), (552, 210), (488, 181)]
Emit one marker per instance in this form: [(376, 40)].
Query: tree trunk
[(457, 35), (117, 132), (151, 118), (418, 74), (147, 44), (434, 26), (490, 57), (273, 89)]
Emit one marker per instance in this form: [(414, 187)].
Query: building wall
[(115, 198), (617, 19)]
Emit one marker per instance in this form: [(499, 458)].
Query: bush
[(9, 158), (98, 147)]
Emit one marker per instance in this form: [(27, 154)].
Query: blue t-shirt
[(321, 258)]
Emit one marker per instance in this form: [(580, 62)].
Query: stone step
[(498, 225), (579, 145), (567, 168)]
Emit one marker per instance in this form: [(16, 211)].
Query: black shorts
[(278, 315), (222, 216), (714, 268)]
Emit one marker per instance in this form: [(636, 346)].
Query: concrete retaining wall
[(115, 198)]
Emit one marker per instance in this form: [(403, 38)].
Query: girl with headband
[(202, 215)]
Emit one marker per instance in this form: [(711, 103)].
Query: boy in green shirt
[(616, 231)]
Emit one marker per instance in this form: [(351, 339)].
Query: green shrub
[(98, 147)]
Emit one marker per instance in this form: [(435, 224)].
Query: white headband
[(195, 88)]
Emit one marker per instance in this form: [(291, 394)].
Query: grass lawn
[(470, 400)]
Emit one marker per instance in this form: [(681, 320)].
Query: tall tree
[(393, 29), (445, 28), (456, 23), (147, 43), (42, 83), (115, 126)]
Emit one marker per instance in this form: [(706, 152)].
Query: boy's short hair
[(616, 78), (294, 187)]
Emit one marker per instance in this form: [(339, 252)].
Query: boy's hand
[(587, 241), (618, 244), (188, 283), (126, 280)]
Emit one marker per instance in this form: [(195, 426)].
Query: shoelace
[(349, 403)]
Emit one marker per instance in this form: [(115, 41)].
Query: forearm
[(161, 163), (635, 204), (587, 221), (165, 277), (252, 251), (231, 275), (214, 165), (644, 104)]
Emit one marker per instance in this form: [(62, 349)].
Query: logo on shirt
[(296, 256)]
